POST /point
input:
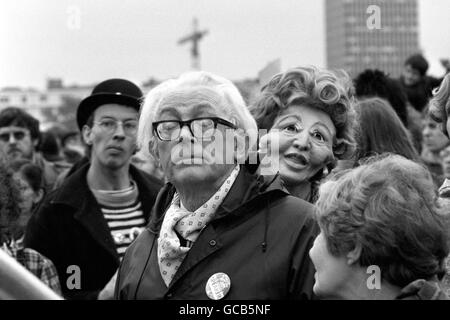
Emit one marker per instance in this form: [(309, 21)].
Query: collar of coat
[(246, 188)]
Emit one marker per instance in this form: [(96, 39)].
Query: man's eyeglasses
[(110, 126), (18, 135), (201, 128)]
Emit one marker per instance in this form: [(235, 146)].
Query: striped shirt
[(125, 224), (123, 214)]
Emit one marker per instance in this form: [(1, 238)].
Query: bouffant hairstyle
[(440, 104), (328, 91), (387, 207)]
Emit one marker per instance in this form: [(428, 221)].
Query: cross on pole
[(194, 38)]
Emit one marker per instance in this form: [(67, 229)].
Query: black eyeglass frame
[(215, 120)]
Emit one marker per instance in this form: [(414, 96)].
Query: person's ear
[(87, 135), (354, 255)]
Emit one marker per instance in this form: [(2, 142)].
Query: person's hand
[(108, 291)]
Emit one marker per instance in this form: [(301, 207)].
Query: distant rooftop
[(18, 89)]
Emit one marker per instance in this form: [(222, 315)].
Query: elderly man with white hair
[(217, 230)]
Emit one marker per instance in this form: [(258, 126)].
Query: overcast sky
[(137, 39)]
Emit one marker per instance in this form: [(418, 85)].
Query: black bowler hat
[(116, 91)]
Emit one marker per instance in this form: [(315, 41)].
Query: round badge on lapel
[(218, 286)]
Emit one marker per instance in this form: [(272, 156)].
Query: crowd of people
[(323, 187)]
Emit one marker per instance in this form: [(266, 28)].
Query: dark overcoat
[(70, 230)]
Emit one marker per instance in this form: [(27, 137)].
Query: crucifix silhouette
[(194, 38)]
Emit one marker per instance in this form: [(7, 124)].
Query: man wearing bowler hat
[(85, 226)]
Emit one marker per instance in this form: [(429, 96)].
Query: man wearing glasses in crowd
[(20, 137), (85, 226)]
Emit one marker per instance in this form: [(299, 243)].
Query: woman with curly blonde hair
[(309, 115)]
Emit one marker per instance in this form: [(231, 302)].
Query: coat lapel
[(90, 216), (75, 193), (148, 190)]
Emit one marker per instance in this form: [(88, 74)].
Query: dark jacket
[(69, 229), (420, 93), (260, 237)]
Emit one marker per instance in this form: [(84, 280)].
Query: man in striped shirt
[(86, 225)]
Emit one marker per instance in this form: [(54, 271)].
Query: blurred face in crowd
[(411, 76), (332, 273), (305, 137), (433, 138), (190, 155), (16, 143), (112, 136), (28, 196), (74, 143)]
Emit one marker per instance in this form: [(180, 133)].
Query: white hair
[(233, 105)]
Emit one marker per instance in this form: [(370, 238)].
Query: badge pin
[(134, 232), (218, 285)]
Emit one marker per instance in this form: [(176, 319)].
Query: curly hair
[(440, 104), (9, 203), (389, 208), (330, 92)]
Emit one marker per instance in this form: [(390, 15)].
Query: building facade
[(362, 34), (39, 102), (51, 101)]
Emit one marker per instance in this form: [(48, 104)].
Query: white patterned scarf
[(188, 225)]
